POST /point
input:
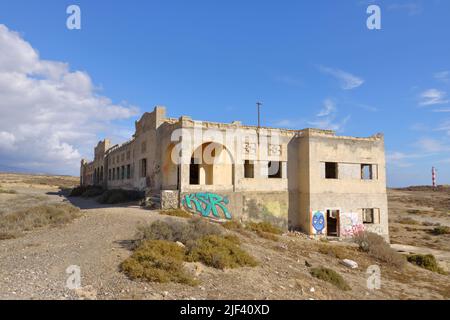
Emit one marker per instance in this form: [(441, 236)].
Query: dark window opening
[(333, 223), (128, 171), (109, 174), (194, 168), (331, 170), (366, 172), (143, 168), (123, 172), (249, 169), (274, 169), (114, 174)]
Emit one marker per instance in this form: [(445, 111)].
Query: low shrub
[(115, 196), (330, 276), (427, 261), (336, 251), (181, 231), (92, 191), (263, 227), (8, 191), (408, 220), (158, 261), (14, 223), (176, 213), (268, 236), (220, 252), (441, 230), (233, 225), (78, 191), (378, 248)]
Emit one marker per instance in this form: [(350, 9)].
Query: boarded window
[(366, 172), (371, 215), (249, 169), (331, 170), (274, 169)]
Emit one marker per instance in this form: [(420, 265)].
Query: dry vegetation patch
[(193, 241), (15, 223), (330, 276), (427, 261), (176, 213), (378, 248), (157, 261)]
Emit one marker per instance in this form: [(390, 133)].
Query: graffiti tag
[(318, 222), (207, 204), (351, 224)]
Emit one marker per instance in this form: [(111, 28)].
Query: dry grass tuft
[(336, 251), (14, 223), (441, 230), (220, 252), (378, 248), (158, 261), (263, 227), (176, 213), (330, 276), (426, 261)]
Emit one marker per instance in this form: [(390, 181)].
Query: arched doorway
[(211, 164)]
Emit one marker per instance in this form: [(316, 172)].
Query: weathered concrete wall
[(224, 191), (271, 207)]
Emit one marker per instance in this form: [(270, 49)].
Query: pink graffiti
[(353, 230)]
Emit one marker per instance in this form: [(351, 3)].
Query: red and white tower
[(433, 176)]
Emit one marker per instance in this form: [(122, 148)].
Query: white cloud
[(443, 76), (432, 97), (432, 145), (327, 118), (329, 107), (347, 80), (49, 115)]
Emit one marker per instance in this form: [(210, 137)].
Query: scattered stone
[(180, 244), (349, 263), (312, 289)]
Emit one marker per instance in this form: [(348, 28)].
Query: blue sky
[(311, 63)]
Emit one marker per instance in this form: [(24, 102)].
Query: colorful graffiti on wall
[(207, 204), (318, 223), (351, 224)]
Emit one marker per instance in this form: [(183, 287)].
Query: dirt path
[(96, 243)]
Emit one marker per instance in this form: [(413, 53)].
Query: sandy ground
[(34, 266)]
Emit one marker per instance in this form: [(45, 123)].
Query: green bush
[(263, 227), (330, 276), (427, 261), (220, 252), (378, 248), (158, 261), (115, 196)]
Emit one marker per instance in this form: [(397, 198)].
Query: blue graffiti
[(207, 204), (318, 222)]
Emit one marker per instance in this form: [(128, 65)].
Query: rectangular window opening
[(331, 170), (249, 169), (274, 169), (366, 172)]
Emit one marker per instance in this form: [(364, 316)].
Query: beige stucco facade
[(307, 179)]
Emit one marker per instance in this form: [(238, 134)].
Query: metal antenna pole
[(258, 106)]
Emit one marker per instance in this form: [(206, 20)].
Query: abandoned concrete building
[(311, 180)]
